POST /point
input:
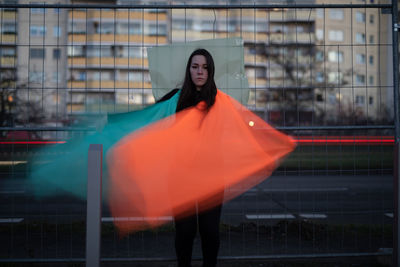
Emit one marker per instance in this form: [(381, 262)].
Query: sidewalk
[(379, 261)]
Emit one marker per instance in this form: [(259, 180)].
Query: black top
[(168, 95), (181, 106)]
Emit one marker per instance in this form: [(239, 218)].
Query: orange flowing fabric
[(194, 157)]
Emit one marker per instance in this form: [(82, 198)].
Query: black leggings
[(186, 229)]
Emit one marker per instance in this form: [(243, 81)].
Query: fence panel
[(322, 73)]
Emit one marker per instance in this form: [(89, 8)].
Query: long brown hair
[(189, 95)]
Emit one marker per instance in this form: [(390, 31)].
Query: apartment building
[(303, 65), (354, 78), (41, 73), (271, 37), (107, 60), (8, 63)]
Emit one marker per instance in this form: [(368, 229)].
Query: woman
[(186, 165), (198, 86)]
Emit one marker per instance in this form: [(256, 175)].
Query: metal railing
[(272, 220)]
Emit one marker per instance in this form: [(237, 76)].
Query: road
[(284, 214)]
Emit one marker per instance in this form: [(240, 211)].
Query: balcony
[(117, 38), (197, 35), (9, 15), (8, 38), (119, 14), (292, 38), (8, 62), (257, 82), (255, 60), (97, 62), (286, 16), (107, 84)]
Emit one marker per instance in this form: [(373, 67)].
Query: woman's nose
[(200, 70)]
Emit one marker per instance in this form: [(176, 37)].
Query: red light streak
[(301, 140), (31, 142), (345, 140)]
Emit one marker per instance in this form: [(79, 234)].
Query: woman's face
[(198, 71)]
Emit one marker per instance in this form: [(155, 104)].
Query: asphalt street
[(284, 215)]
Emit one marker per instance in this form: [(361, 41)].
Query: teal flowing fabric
[(63, 167)]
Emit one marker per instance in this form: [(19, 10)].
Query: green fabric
[(63, 167)]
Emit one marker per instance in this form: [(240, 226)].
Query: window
[(360, 100), (319, 56), (7, 52), (135, 52), (131, 51), (371, 18), (37, 53), (332, 98), (275, 73), (247, 26), (278, 28), (319, 34), (56, 31), (360, 58), (360, 79), (319, 98), (232, 25), (155, 10), (255, 72), (56, 53), (360, 17), (129, 28), (56, 77), (336, 14), (104, 27), (160, 30), (320, 13), (319, 77), (371, 39), (336, 35), (261, 26), (102, 75), (335, 77), (138, 76), (76, 51), (8, 28), (57, 11), (36, 30), (135, 76), (37, 10), (300, 29), (35, 76), (371, 60), (99, 51), (371, 80), (80, 76), (209, 26), (335, 56), (360, 38), (77, 27), (370, 100), (182, 24)]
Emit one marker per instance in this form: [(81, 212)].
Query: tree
[(16, 109)]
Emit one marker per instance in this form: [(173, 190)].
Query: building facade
[(304, 66)]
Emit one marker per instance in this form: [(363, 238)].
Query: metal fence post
[(93, 213), (396, 178)]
